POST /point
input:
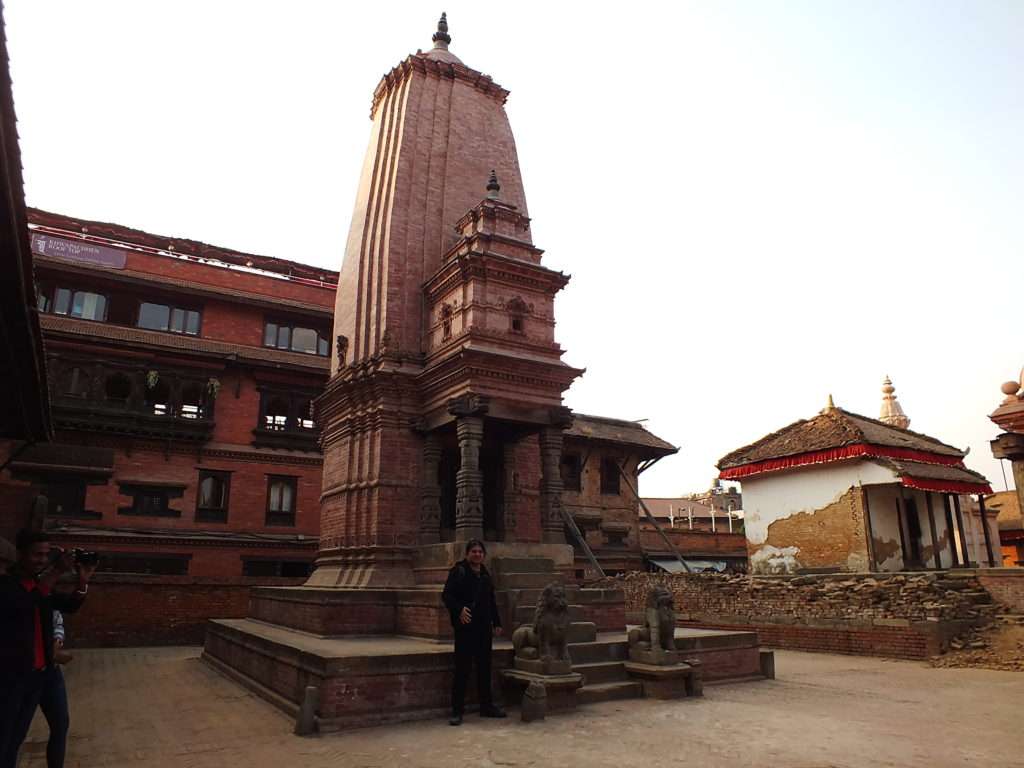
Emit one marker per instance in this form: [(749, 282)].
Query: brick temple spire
[(441, 38)]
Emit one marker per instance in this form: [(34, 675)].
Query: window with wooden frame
[(281, 500), (167, 317), (296, 338), (572, 474), (212, 496), (151, 499), (610, 476), (74, 302)]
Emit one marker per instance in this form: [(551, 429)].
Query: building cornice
[(442, 70), (57, 326)]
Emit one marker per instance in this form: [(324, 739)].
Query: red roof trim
[(945, 486), (830, 455)]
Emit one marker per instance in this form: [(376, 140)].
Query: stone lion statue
[(547, 638), (659, 630)]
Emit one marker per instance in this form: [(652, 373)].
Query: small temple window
[(118, 388), (212, 499), (446, 322), (571, 472), (280, 500), (609, 476), (164, 317), (517, 315)]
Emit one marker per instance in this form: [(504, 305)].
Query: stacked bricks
[(899, 615)]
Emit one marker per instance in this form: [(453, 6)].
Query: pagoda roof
[(620, 432), (835, 428)]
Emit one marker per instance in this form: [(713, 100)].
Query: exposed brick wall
[(1006, 585), (893, 642), (694, 541), (902, 615), (156, 610)]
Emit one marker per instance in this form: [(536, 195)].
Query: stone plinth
[(546, 667), (560, 689), (653, 656), (668, 681)]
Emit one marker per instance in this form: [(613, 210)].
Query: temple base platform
[(374, 680)]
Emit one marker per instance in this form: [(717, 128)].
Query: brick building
[(844, 492), (708, 537), (602, 461), (193, 368)]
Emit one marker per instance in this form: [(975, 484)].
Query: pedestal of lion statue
[(654, 661)]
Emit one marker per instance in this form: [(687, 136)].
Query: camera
[(80, 556)]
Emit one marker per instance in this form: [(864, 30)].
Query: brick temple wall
[(123, 611), (899, 615)]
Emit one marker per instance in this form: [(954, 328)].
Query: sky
[(760, 203)]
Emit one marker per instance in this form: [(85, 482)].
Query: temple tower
[(443, 418)]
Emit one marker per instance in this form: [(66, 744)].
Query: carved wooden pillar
[(430, 492), (551, 524), (469, 480)]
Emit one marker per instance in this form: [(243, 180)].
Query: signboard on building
[(78, 250)]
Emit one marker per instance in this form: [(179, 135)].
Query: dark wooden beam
[(931, 525), (872, 562), (950, 533), (984, 528)]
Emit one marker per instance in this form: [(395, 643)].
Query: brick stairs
[(520, 580)]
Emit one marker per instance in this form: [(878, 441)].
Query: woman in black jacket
[(469, 597)]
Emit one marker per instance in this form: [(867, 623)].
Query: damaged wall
[(809, 518), (901, 615)]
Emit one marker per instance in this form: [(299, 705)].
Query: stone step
[(522, 565), (592, 694), (582, 632), (518, 580), (954, 584), (597, 672), (586, 653)]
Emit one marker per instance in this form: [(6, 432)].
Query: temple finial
[(892, 412), (441, 38), (829, 406), (493, 187)]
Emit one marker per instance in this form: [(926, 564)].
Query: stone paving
[(157, 707)]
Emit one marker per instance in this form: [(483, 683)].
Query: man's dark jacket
[(17, 624), (463, 589)]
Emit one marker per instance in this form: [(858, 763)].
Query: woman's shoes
[(455, 720)]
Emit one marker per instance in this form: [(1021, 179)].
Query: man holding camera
[(27, 603)]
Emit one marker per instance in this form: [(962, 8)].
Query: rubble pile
[(998, 646), (857, 598)]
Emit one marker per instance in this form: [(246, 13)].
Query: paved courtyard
[(163, 707)]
